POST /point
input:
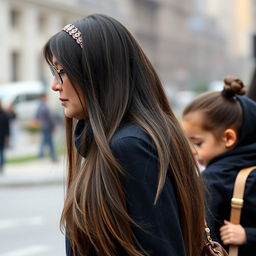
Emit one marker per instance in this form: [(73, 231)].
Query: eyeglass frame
[(57, 73)]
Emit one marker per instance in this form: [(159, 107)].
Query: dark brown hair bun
[(232, 86)]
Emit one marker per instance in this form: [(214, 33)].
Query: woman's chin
[(78, 116), (69, 114)]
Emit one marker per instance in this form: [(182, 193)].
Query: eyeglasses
[(57, 73)]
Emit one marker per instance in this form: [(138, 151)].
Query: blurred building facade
[(236, 20), (25, 26), (188, 41)]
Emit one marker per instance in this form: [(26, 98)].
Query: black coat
[(162, 234), (4, 128), (220, 176)]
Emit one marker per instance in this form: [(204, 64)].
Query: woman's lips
[(63, 101)]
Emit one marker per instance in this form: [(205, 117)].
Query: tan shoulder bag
[(237, 202)]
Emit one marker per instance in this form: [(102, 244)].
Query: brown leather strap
[(237, 201)]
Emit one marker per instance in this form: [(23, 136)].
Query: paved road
[(29, 221)]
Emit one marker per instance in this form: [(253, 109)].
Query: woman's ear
[(229, 137)]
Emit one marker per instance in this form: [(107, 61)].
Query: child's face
[(203, 143)]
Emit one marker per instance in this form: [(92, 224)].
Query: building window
[(15, 18), (42, 22), (15, 58)]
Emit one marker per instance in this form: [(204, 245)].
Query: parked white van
[(24, 95)]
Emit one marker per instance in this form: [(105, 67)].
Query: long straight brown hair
[(119, 85)]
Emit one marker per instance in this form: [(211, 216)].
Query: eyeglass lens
[(56, 74)]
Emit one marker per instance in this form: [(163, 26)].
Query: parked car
[(24, 96)]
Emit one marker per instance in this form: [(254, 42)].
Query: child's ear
[(229, 137)]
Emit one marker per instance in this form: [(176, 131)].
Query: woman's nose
[(55, 86)]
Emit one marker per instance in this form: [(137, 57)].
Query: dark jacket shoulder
[(135, 151), (160, 232)]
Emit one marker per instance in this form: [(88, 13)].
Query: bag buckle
[(237, 203)]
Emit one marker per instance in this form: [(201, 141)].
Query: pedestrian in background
[(133, 187), (221, 126), (13, 125), (4, 136), (47, 124)]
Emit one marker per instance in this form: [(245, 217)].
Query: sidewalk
[(33, 173)]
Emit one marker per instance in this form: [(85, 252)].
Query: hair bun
[(232, 86)]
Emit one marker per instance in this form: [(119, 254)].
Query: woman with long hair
[(133, 187)]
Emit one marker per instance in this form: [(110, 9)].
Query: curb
[(33, 173), (30, 183)]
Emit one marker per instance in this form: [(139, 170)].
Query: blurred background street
[(192, 44), (32, 195), (29, 220)]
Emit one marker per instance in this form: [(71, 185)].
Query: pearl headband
[(75, 33)]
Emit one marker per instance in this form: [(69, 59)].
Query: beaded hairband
[(74, 32)]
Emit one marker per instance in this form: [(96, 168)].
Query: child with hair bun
[(221, 127)]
